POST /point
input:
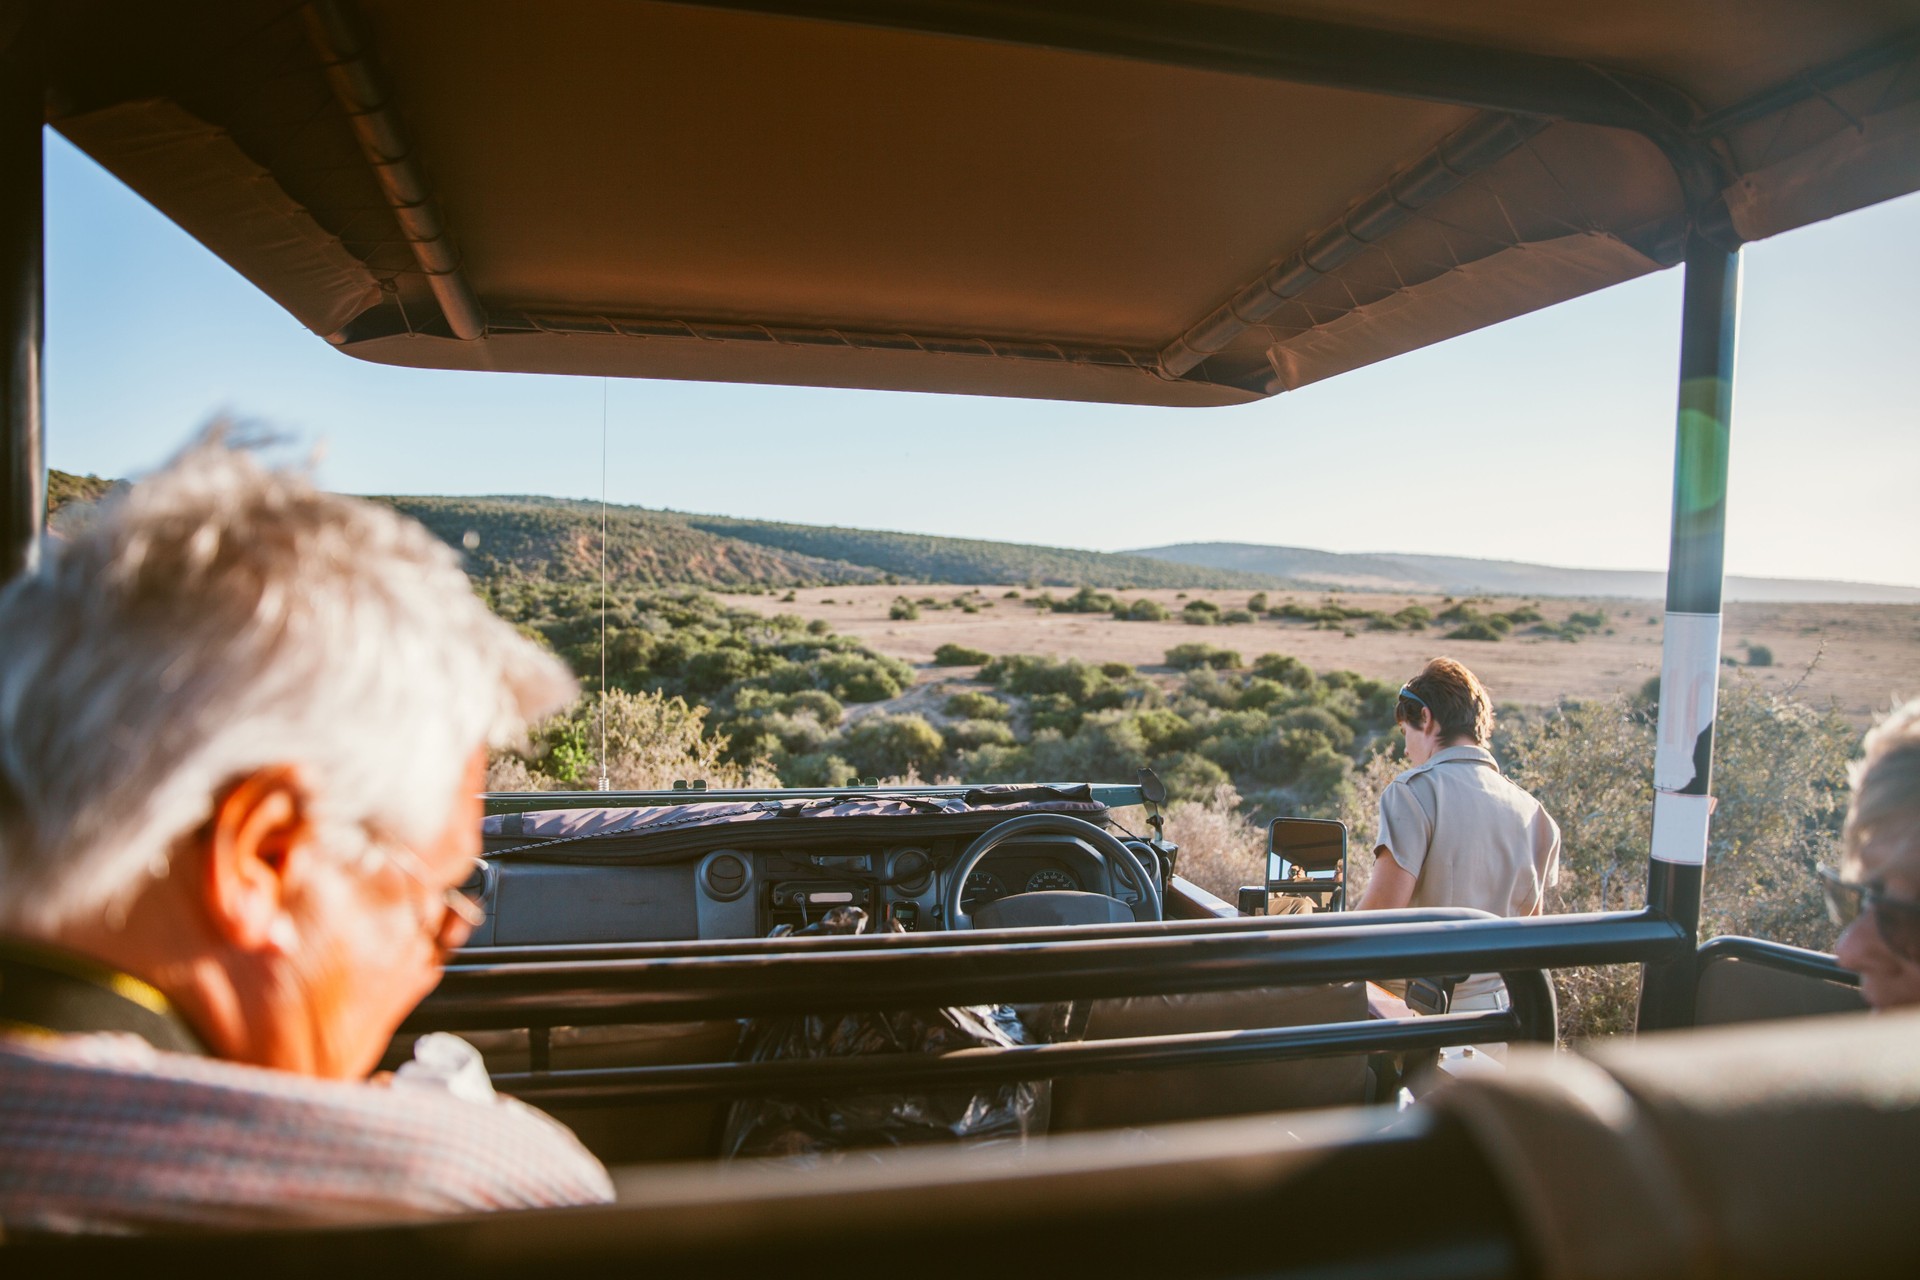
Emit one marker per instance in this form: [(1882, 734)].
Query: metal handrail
[(884, 974), (1776, 955), (982, 1067), (1531, 1018), (555, 953)]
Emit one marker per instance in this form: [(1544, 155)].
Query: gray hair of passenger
[(1886, 790), (220, 617)]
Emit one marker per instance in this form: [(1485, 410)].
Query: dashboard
[(742, 891)]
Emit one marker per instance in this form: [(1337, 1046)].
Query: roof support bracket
[(1470, 150), (337, 37)]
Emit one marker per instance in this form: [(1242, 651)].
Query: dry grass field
[(1867, 653)]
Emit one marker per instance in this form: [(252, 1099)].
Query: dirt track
[(1867, 653)]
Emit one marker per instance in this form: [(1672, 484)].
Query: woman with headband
[(1453, 831)]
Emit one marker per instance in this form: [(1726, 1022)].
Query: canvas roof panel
[(1163, 202)]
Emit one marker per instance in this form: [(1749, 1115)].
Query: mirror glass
[(1307, 861)]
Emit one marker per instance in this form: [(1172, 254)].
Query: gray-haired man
[(243, 732)]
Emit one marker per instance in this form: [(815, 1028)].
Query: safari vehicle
[(1159, 202)]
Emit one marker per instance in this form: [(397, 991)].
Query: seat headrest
[(1789, 1149)]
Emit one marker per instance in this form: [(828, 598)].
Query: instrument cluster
[(1001, 877)]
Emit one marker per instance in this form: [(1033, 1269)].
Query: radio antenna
[(606, 783)]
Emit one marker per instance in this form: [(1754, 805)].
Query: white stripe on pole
[(1689, 697)]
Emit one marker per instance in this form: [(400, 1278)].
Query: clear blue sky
[(1548, 438)]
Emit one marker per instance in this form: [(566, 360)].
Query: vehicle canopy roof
[(1161, 202)]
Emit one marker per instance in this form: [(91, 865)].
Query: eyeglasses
[(462, 904), (1897, 919)]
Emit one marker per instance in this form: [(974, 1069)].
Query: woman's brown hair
[(1456, 698)]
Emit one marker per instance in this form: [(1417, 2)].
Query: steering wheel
[(1065, 907)]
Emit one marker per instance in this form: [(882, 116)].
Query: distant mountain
[(1380, 571), (559, 539), (919, 557)]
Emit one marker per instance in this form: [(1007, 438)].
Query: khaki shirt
[(1470, 838)]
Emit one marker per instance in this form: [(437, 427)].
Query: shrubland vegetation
[(64, 487), (769, 694), (1779, 775), (698, 690), (778, 699)]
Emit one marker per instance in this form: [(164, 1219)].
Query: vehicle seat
[(1735, 990), (629, 1133), (1108, 1101), (1781, 1150)]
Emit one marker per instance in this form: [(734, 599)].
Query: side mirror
[(1307, 859)]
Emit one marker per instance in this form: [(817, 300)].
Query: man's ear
[(256, 834)]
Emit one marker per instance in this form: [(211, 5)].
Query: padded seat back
[(635, 1133), (1771, 1151), (1736, 990), (631, 1133), (1138, 1098)]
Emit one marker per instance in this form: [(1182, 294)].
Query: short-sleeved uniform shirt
[(1470, 838)]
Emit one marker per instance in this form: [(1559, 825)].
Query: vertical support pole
[(23, 478), (1690, 656)]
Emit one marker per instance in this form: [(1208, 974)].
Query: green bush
[(1257, 602), (864, 678), (903, 610), (1142, 610), (959, 655), (706, 671), (1085, 600), (886, 745), (1191, 776), (971, 704), (819, 769), (819, 704), (1187, 657), (1758, 655), (970, 735), (1029, 675), (1478, 629), (1260, 692), (1236, 616), (1116, 670), (1283, 668)]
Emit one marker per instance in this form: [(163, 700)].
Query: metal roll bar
[(560, 953), (974, 1068), (753, 981), (1776, 955), (23, 475)]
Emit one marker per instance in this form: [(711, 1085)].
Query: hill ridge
[(559, 538), (1410, 571)]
